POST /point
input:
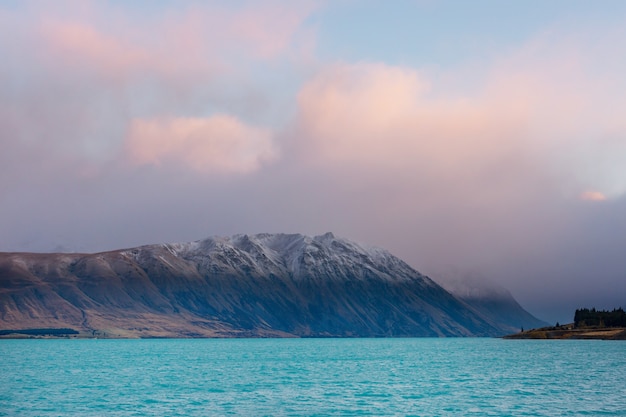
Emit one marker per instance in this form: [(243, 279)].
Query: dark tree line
[(585, 317)]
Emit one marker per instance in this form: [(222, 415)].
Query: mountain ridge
[(264, 285)]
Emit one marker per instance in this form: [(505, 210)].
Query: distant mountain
[(495, 303), (266, 285)]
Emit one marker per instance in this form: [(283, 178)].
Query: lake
[(375, 377)]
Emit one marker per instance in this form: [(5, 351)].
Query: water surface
[(421, 377)]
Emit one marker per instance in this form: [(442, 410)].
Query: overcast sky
[(481, 138)]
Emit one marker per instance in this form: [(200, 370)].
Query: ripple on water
[(425, 377)]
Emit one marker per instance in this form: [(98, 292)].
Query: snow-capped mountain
[(244, 285)]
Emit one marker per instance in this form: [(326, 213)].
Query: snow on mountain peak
[(299, 255)]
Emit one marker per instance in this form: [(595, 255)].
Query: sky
[(471, 139)]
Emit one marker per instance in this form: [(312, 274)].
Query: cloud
[(270, 28), (535, 110), (219, 143), (592, 196), (192, 39), (346, 110), (81, 47), (90, 59), (383, 119)]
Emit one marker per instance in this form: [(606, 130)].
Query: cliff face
[(261, 285)]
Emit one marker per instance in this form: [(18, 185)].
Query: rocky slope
[(258, 286)]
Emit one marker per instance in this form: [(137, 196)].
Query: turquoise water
[(377, 377)]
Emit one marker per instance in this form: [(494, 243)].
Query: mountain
[(495, 303), (266, 285)]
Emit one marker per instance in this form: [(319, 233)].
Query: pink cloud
[(219, 143), (78, 74), (593, 196), (78, 46), (195, 39), (381, 116), (270, 28), (540, 113), (338, 95)]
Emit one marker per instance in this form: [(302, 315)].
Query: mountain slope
[(495, 303), (261, 285)]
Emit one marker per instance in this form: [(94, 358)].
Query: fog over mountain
[(491, 300), (244, 285)]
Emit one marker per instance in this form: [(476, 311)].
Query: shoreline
[(568, 331)]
